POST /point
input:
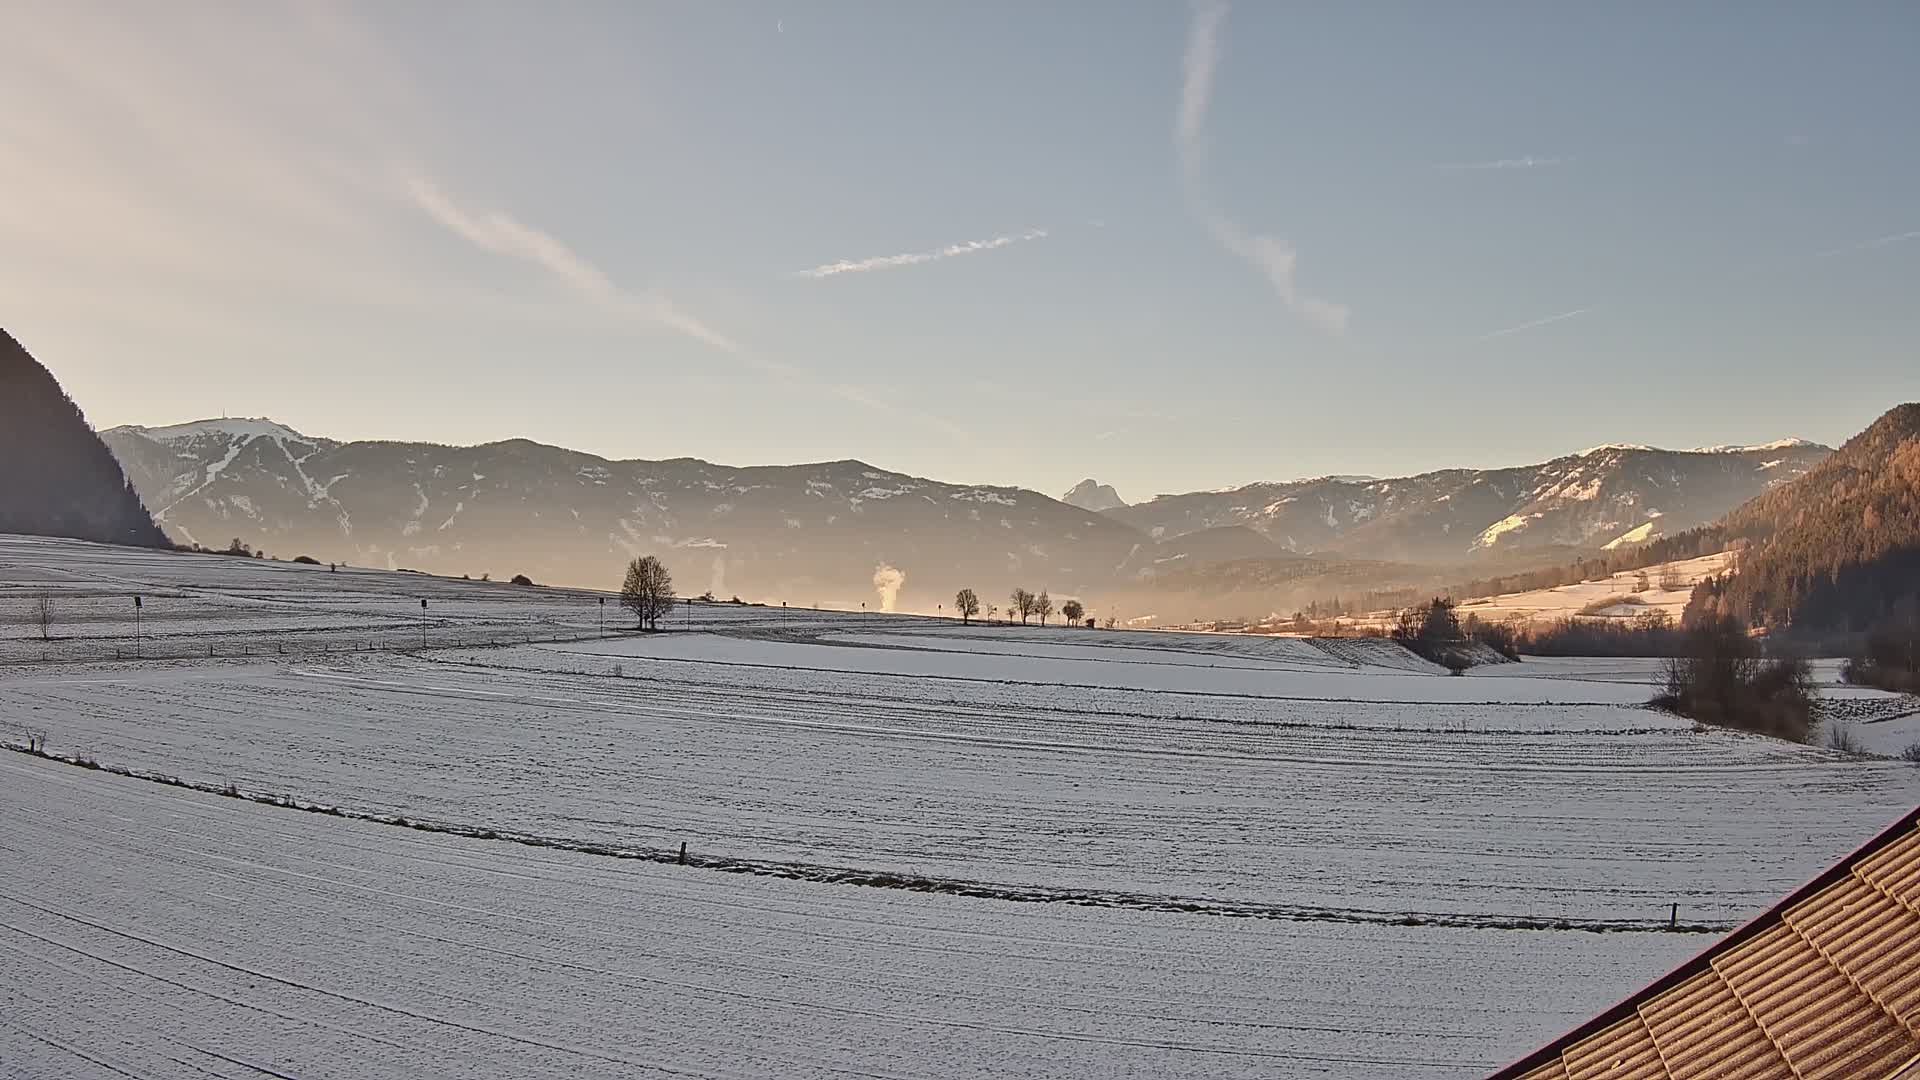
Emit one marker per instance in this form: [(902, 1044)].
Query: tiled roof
[(1824, 985)]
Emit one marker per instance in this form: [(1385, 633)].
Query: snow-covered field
[(150, 932), (1566, 601), (194, 605), (1084, 852)]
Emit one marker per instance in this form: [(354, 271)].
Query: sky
[(1170, 246)]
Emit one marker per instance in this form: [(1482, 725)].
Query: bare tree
[(1110, 622), (992, 610), (967, 604), (1073, 611), (1043, 607), (1021, 605), (43, 611), (648, 591)]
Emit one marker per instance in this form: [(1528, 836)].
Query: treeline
[(1651, 633), (1889, 658)]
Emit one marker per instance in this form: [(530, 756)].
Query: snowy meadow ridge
[(953, 851)]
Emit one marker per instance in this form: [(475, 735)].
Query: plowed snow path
[(152, 932)]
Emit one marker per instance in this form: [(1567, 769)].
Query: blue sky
[(1170, 246)]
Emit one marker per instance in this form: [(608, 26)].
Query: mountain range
[(838, 533), (1603, 497), (844, 533)]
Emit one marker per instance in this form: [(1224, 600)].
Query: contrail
[(1534, 323), (915, 258)]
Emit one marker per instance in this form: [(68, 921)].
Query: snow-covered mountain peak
[(1091, 495), (238, 428), (1604, 447), (1777, 444)]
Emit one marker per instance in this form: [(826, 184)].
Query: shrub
[(1431, 630), (1911, 754), (306, 560), (522, 579), (1503, 638), (1720, 678), (1839, 736), (1890, 660)]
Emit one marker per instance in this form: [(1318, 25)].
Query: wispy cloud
[(915, 258), (1272, 256), (1563, 316), (1869, 245), (1528, 162), (494, 231), (502, 234)]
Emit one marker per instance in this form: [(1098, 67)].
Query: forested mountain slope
[(1837, 549), (56, 477)]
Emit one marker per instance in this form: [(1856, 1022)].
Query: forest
[(56, 477)]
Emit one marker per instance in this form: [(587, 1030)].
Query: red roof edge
[(1629, 1005)]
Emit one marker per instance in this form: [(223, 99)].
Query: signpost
[(603, 616), (423, 622), (137, 604)]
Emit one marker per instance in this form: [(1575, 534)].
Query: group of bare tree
[(648, 593), (1026, 605), (1022, 603)]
